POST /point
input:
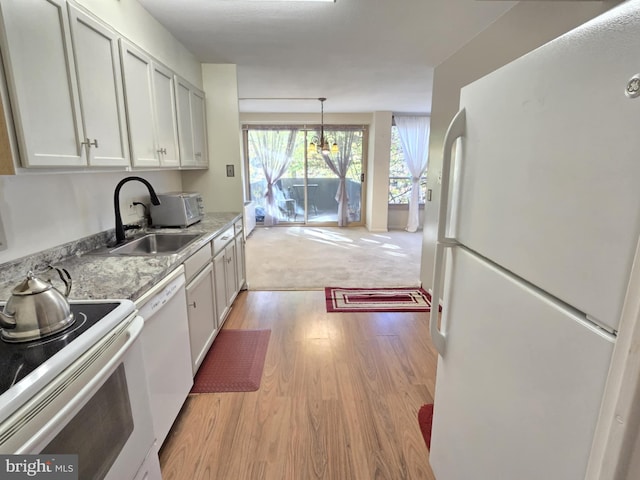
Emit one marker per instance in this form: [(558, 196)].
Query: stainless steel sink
[(153, 244)]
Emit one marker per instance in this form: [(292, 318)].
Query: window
[(305, 191), (399, 176)]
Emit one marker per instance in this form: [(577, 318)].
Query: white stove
[(26, 368), (82, 392)]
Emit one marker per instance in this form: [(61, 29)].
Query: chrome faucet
[(116, 204)]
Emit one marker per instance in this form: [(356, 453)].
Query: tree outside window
[(399, 176)]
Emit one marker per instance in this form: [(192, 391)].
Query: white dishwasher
[(166, 350)]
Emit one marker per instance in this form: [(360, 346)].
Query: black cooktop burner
[(17, 360)]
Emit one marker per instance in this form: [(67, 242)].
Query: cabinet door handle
[(163, 150), (89, 143), (192, 304)]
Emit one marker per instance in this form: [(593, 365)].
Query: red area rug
[(377, 299), (234, 362), (425, 417)]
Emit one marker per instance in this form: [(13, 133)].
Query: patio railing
[(321, 198)]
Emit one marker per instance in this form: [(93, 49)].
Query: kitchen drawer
[(197, 261), (221, 240), (237, 227)]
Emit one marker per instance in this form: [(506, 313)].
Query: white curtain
[(340, 165), (414, 136), (273, 148)]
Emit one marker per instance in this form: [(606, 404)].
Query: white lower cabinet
[(202, 315), (219, 264), (240, 265), (231, 277), (212, 286), (225, 264)]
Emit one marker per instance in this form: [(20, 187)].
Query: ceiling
[(362, 55)]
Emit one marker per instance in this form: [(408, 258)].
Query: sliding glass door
[(290, 184), (271, 155), (335, 180)]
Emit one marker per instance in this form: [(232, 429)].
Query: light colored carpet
[(311, 258)]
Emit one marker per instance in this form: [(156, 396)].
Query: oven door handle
[(121, 341)]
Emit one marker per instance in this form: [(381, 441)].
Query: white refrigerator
[(539, 224)]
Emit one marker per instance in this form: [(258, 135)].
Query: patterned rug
[(413, 299), (234, 363)]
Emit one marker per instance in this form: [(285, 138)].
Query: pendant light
[(322, 141)]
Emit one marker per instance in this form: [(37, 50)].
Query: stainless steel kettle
[(36, 309)]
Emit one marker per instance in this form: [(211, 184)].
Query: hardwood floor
[(339, 399)]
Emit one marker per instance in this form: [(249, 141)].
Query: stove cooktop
[(25, 368), (17, 360)]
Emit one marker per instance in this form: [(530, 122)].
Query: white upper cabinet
[(199, 124), (166, 121), (81, 95), (40, 71), (185, 129), (137, 69), (151, 111), (192, 125), (100, 86), (65, 85)]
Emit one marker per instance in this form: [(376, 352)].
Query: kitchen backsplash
[(39, 212), (40, 261)]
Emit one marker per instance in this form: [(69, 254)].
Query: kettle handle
[(65, 277)]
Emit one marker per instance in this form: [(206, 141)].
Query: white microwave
[(177, 209)]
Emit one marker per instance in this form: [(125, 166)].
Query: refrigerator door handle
[(456, 129)]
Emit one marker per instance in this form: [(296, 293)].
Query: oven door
[(98, 408)]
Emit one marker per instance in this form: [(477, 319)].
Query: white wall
[(220, 193), (523, 28), (399, 216), (377, 208), (45, 210), (309, 118)]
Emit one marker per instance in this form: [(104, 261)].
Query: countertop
[(119, 277)]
